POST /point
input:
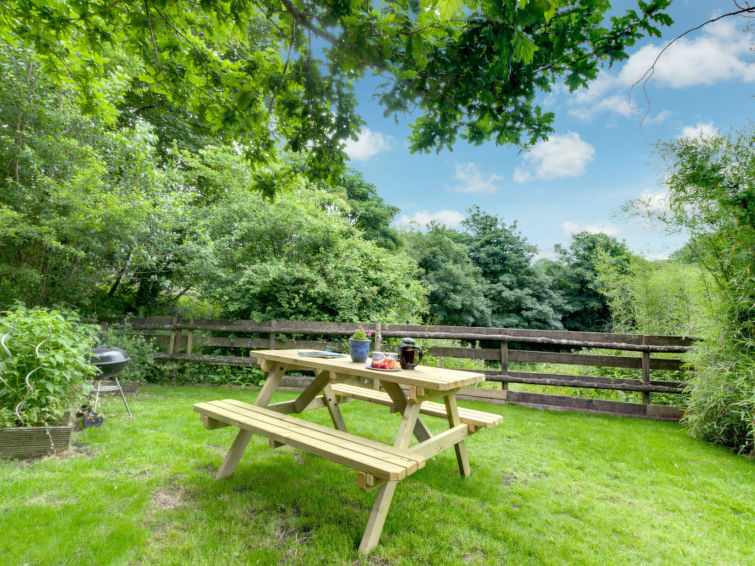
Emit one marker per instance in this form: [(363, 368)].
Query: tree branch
[(648, 74), (304, 21)]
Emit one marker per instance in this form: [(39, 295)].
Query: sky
[(601, 154)]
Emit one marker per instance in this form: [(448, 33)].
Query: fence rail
[(181, 338)]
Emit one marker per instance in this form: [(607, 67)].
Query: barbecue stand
[(111, 361)]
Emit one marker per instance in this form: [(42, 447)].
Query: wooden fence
[(500, 347)]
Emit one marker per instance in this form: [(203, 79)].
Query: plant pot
[(359, 350), (35, 441)]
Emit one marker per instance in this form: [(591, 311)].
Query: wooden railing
[(182, 338)]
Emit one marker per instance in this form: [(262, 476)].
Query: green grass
[(546, 488)]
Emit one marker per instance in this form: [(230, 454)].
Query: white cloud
[(615, 104), (560, 156), (422, 218), (701, 131), (653, 202), (472, 180), (576, 226), (368, 145), (710, 57), (658, 118), (719, 52)]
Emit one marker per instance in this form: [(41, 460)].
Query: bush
[(140, 349), (721, 405), (42, 365)]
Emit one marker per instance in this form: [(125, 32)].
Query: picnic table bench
[(378, 465)]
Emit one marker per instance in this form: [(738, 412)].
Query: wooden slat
[(558, 402), (592, 382), (332, 436), (468, 416), (398, 330), (349, 454), (438, 379), (442, 441)]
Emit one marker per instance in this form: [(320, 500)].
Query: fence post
[(272, 335), (645, 372), (505, 364), (189, 346), (173, 345)]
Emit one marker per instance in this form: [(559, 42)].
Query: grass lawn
[(546, 488)]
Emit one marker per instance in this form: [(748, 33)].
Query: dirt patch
[(289, 529), (208, 469), (167, 498), (507, 479), (474, 557), (48, 501)]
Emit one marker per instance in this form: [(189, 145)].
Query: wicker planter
[(35, 441)]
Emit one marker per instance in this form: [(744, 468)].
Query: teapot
[(408, 354)]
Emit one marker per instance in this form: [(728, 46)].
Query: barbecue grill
[(111, 361)]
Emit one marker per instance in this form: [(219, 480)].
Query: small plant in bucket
[(359, 344)]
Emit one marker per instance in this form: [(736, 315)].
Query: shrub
[(721, 405), (42, 365)]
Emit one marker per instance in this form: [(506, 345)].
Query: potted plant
[(43, 369), (359, 345)]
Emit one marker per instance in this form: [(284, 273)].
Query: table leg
[(377, 517), (244, 436), (400, 402), (385, 492), (271, 384), (335, 412), (322, 378), (454, 420)]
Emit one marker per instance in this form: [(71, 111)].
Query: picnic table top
[(438, 379)]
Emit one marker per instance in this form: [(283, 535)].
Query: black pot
[(109, 359)]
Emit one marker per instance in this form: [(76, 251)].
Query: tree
[(296, 257), (250, 70), (368, 212), (457, 288), (82, 208), (712, 197), (577, 281), (519, 296)]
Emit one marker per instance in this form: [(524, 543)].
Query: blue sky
[(602, 153)]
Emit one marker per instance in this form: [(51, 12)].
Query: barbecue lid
[(107, 355)]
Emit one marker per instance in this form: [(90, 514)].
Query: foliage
[(85, 213), (218, 375), (368, 212), (519, 296), (711, 196), (653, 297), (360, 334), (456, 286), (575, 278), (296, 257), (250, 70), (140, 349), (42, 365)]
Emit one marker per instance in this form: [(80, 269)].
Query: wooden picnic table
[(380, 466)]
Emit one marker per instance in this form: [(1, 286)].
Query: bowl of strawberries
[(383, 361)]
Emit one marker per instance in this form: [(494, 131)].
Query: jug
[(408, 354)]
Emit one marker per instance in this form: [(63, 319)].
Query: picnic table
[(381, 466)]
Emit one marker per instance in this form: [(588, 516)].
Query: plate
[(320, 354), (368, 366)]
